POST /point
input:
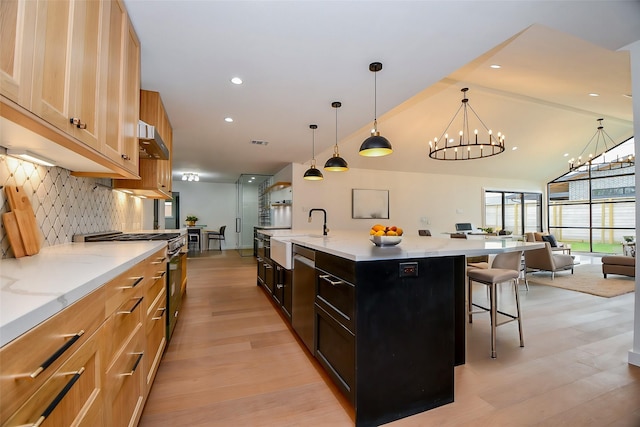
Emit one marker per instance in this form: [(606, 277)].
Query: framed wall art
[(367, 204)]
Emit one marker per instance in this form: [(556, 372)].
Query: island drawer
[(337, 297), (336, 351)]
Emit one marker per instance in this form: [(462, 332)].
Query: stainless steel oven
[(176, 264)]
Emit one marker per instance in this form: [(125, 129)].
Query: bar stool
[(504, 268)]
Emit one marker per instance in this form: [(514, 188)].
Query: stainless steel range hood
[(151, 144)]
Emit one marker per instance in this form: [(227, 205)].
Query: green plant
[(487, 229), (191, 218)]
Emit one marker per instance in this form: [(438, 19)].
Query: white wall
[(442, 200), (213, 204)]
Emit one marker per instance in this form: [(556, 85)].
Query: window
[(517, 212), (594, 207)]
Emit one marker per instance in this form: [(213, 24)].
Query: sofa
[(618, 264), (544, 259)]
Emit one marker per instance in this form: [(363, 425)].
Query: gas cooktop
[(120, 236)]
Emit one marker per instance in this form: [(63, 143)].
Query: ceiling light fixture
[(313, 174), (228, 119), (236, 80), (190, 176), (445, 148), (599, 139), (30, 157), (336, 163), (375, 145)]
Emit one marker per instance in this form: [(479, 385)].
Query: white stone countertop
[(356, 246), (34, 288)]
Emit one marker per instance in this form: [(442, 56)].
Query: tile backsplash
[(65, 205)]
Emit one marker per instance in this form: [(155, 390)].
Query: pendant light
[(313, 174), (336, 163), (375, 145)]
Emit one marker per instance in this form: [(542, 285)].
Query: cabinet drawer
[(337, 297), (335, 350), (72, 395), (123, 322), (28, 361), (124, 381), (124, 287), (155, 329)]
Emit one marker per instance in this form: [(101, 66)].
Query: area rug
[(586, 278)]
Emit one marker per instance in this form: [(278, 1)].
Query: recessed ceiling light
[(594, 94), (236, 81), (566, 154), (514, 148), (496, 66), (228, 119)]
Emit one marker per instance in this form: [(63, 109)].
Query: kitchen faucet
[(325, 230)]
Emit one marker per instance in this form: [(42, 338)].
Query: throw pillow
[(551, 239)]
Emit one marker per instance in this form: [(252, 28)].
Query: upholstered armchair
[(556, 246), (544, 259)]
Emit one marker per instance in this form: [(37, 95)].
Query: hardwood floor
[(233, 361)]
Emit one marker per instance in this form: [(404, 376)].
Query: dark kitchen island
[(389, 322)]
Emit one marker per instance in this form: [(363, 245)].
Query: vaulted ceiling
[(295, 58)]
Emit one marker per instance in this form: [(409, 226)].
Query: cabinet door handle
[(76, 121), (125, 157), (267, 266), (327, 278), (161, 310), (135, 365), (161, 275), (139, 300), (52, 406), (160, 261), (56, 355), (259, 259), (279, 286), (137, 280)]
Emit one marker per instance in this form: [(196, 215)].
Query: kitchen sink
[(281, 252)]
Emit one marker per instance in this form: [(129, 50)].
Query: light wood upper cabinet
[(155, 174), (123, 84), (68, 42), (70, 72), (18, 19)]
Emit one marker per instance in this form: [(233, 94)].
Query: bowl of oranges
[(382, 235)]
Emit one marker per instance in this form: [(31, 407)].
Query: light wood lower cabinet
[(29, 361), (71, 396), (93, 363)]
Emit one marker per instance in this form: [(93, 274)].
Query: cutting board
[(25, 218), (11, 229)]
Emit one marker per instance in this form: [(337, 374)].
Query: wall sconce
[(29, 157), (190, 176)]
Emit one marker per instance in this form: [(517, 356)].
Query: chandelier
[(190, 176), (466, 147), (599, 139)]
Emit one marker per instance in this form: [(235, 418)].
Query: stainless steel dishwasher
[(304, 293)]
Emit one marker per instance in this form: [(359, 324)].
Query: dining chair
[(193, 235), (216, 235), (504, 268)]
